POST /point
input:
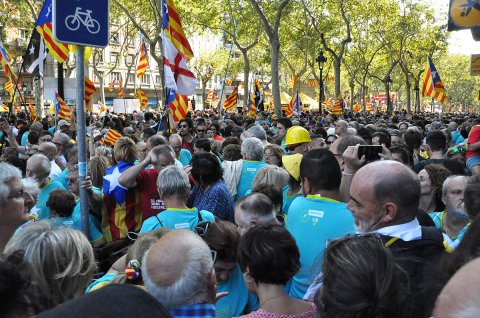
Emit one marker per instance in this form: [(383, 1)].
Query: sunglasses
[(200, 130), (292, 148)]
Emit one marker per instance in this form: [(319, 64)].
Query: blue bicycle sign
[(81, 22), (74, 21)]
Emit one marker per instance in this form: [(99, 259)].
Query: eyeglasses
[(292, 148), (46, 139), (72, 180), (183, 126), (329, 142), (200, 130)]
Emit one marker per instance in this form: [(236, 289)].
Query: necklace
[(268, 299)]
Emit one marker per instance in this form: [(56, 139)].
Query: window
[(146, 79), (131, 42), (114, 58), (23, 33), (130, 59), (131, 78), (114, 38), (99, 56), (115, 76), (158, 80)]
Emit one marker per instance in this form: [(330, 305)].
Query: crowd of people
[(223, 215)]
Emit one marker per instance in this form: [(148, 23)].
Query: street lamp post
[(417, 97), (389, 104), (321, 59)]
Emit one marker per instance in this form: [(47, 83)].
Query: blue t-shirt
[(185, 157), (24, 140), (94, 233), (287, 200), (313, 221), (457, 138), (63, 178), (44, 211), (239, 299), (437, 218), (101, 282), (249, 171), (217, 199), (176, 219)]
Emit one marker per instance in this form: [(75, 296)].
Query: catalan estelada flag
[(179, 107), (174, 31), (432, 84), (337, 108), (231, 102), (61, 108), (143, 62), (120, 89), (44, 26), (89, 90), (142, 98), (9, 86), (4, 61), (111, 137), (328, 102)]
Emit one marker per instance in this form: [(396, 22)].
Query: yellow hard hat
[(292, 164), (297, 135)]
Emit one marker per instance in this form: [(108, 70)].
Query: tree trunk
[(275, 50), (102, 90), (336, 67), (204, 86), (408, 87), (246, 74), (352, 92)]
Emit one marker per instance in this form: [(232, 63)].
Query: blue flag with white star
[(111, 187)]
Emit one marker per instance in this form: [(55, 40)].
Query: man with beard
[(384, 200), (185, 130)]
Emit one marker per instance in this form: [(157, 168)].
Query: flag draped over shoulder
[(231, 102), (432, 84), (179, 107), (176, 52), (44, 26), (143, 62), (61, 108), (122, 209), (89, 90)]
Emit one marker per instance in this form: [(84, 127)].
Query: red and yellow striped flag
[(356, 107), (111, 138), (142, 98), (9, 86), (110, 86), (33, 111), (89, 90), (44, 26), (143, 63), (61, 108), (179, 107), (120, 89), (289, 110), (231, 102), (103, 108), (337, 108), (368, 106), (174, 31), (291, 82)]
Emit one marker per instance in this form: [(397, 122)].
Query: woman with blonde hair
[(274, 176), (98, 167), (61, 258)]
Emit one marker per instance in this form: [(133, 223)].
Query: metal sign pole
[(82, 151)]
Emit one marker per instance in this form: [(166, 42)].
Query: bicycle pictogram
[(73, 21)]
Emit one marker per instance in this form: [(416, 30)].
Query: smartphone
[(371, 152)]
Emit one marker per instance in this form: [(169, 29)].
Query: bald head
[(177, 269), (393, 182), (48, 149), (460, 298)]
